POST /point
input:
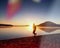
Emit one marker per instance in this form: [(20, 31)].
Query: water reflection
[(50, 29), (17, 32)]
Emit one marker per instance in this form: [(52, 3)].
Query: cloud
[(36, 1)]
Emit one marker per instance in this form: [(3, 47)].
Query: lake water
[(17, 32)]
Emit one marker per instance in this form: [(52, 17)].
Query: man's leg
[(34, 33)]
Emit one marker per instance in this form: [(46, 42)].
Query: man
[(34, 29)]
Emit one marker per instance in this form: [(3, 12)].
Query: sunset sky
[(32, 11)]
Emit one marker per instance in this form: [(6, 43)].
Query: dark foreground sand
[(46, 41)]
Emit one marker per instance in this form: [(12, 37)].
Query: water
[(18, 32)]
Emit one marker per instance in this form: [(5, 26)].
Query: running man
[(34, 29)]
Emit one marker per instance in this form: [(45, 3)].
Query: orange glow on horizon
[(30, 28)]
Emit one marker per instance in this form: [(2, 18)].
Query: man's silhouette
[(34, 29)]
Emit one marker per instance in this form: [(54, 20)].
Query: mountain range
[(49, 24), (45, 24)]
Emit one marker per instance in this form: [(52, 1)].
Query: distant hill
[(5, 25), (49, 24), (46, 41), (9, 25)]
